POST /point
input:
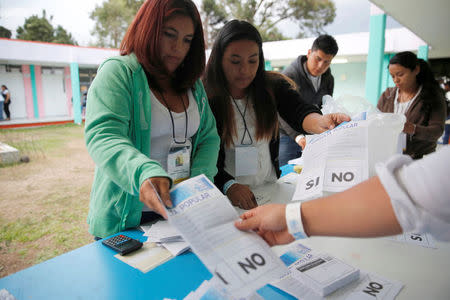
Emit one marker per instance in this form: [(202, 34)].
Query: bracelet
[(227, 185), (294, 220), (299, 137)]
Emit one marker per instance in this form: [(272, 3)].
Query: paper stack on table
[(146, 258), (167, 236), (310, 278), (161, 232), (318, 274)]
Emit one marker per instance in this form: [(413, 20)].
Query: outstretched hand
[(330, 121), (269, 221), (148, 190)]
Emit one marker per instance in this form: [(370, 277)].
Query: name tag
[(179, 161), (246, 160)]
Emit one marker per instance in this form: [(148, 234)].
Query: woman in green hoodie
[(148, 122)]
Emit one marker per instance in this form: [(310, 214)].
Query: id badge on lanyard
[(401, 146), (179, 161), (246, 160)]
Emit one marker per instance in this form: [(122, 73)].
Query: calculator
[(122, 244)]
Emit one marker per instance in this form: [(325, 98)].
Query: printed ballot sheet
[(334, 160), (368, 286), (205, 218), (419, 239)]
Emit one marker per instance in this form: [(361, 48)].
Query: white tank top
[(161, 127), (266, 171)]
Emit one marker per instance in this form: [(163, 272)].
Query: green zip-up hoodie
[(117, 133)]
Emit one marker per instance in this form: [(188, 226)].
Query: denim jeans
[(446, 133), (288, 149)]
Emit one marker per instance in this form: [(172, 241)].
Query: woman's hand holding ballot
[(151, 190), (316, 123)]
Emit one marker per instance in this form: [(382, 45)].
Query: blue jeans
[(446, 133), (288, 149)]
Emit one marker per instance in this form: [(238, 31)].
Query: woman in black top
[(246, 101)]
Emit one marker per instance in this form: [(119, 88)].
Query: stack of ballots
[(167, 236)]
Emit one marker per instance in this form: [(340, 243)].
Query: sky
[(73, 15)]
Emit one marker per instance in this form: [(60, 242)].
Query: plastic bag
[(351, 105)]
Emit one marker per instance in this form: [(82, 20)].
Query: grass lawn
[(44, 203)]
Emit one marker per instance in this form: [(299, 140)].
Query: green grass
[(41, 141), (56, 223)]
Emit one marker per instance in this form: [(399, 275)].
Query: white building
[(47, 80)]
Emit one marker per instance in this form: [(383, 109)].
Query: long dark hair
[(217, 88), (431, 91), (144, 35)]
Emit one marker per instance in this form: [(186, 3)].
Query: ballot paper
[(205, 218), (162, 232), (6, 295), (211, 290), (334, 161), (319, 272), (368, 286), (418, 239), (146, 258), (176, 248)]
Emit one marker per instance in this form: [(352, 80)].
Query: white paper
[(334, 161), (368, 286), (161, 232), (297, 161), (212, 290), (176, 248), (146, 258), (203, 215), (418, 239), (295, 288), (319, 273)]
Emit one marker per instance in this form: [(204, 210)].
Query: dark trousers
[(6, 109), (288, 149), (446, 133)]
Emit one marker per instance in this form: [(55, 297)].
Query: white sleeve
[(420, 192)]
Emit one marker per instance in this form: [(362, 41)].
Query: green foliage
[(5, 32), (310, 16), (63, 37), (40, 29), (112, 19)]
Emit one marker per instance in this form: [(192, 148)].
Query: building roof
[(352, 47)]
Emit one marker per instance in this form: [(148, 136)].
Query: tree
[(5, 32), (112, 20), (61, 36), (40, 29), (310, 15)]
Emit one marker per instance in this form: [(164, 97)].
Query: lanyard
[(173, 123), (245, 123)]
